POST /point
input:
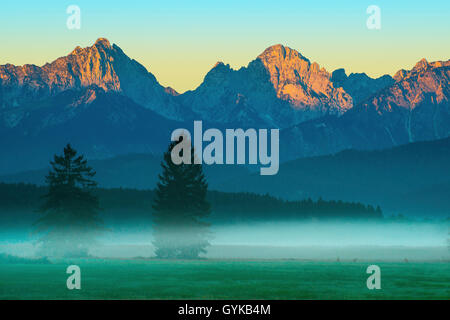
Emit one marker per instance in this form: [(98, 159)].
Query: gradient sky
[(179, 41)]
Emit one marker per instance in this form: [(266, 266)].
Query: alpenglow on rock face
[(304, 84), (103, 65), (279, 88), (416, 107)]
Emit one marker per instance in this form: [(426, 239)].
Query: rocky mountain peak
[(102, 42), (76, 51), (301, 82), (218, 64), (218, 73), (421, 65), (280, 87), (425, 88), (100, 50), (103, 65), (277, 53), (400, 74), (338, 77), (220, 67)]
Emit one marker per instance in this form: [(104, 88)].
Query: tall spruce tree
[(70, 212), (180, 207)]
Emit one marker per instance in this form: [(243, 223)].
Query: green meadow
[(223, 279)]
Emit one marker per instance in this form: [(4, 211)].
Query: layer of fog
[(334, 234), (276, 240)]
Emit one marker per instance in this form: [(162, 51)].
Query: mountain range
[(107, 104)]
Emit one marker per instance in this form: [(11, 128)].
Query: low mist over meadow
[(303, 239)]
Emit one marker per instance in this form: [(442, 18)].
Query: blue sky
[(179, 41)]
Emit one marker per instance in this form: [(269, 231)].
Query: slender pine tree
[(70, 213), (180, 208)]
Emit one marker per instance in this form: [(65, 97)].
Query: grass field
[(220, 279)]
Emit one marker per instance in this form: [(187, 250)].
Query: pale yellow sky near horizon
[(180, 41)]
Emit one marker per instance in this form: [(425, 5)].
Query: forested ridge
[(131, 203)]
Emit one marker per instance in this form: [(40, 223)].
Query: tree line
[(70, 207), (225, 207)]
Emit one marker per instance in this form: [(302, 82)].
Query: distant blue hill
[(413, 179)]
